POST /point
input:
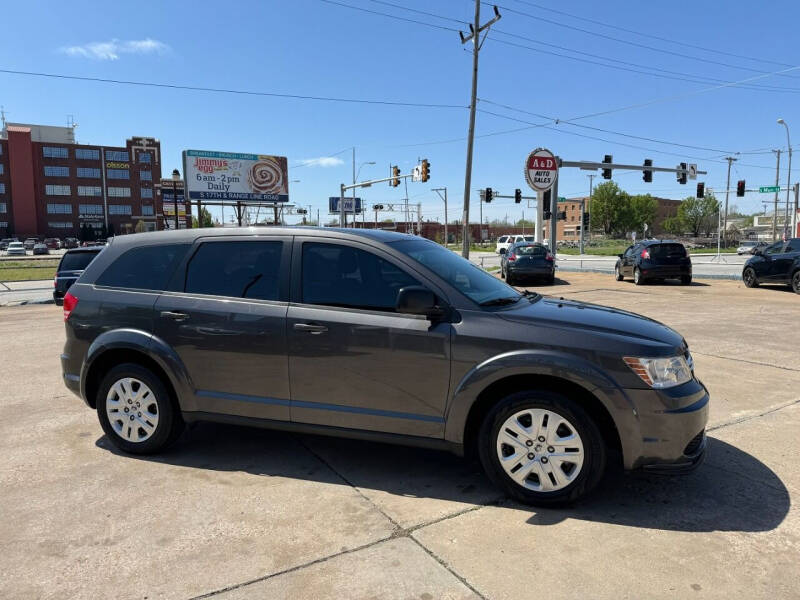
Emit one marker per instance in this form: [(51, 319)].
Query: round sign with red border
[(541, 169)]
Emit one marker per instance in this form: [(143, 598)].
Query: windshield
[(470, 280), (530, 238)]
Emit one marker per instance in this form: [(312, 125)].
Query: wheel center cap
[(538, 447)]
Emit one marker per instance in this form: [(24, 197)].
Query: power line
[(383, 14), (422, 12), (652, 36), (628, 42), (193, 88)]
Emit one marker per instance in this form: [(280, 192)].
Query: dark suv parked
[(777, 263), (654, 260), (70, 267), (375, 335)]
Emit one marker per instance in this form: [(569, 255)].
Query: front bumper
[(671, 428)]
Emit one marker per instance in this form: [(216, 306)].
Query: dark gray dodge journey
[(380, 336)]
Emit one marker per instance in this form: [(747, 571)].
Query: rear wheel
[(550, 279), (618, 273), (136, 411), (502, 272), (796, 282), (749, 277), (541, 448), (686, 279), (637, 276)]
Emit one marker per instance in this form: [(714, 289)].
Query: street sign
[(416, 173), (769, 189), (692, 171), (333, 205), (541, 170)]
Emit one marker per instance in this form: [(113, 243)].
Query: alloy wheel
[(540, 450), (796, 282), (132, 409)]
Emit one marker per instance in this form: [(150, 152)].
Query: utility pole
[(419, 219), (730, 160), (588, 207), (476, 29), (777, 184), (583, 211), (439, 192), (354, 189)]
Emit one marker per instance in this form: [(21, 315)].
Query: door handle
[(310, 328), (175, 316)]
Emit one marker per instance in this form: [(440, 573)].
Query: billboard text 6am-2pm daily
[(234, 177)]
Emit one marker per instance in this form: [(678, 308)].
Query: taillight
[(55, 280), (549, 257), (512, 257), (645, 254), (70, 302)]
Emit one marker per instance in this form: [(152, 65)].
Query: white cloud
[(323, 161), (112, 49)]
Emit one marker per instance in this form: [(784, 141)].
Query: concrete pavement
[(231, 512), (13, 293)]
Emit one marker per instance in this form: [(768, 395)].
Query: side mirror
[(417, 300), (620, 255)]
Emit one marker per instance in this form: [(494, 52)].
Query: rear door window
[(76, 261), (143, 268), (236, 270)]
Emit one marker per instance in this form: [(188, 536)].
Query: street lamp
[(788, 179), (176, 177)]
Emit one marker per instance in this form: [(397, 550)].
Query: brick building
[(50, 186), (569, 230)]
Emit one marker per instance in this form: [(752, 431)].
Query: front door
[(767, 267), (353, 361), (225, 316), (782, 262)]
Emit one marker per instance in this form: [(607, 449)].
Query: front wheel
[(541, 448), (136, 411), (510, 278), (618, 273), (796, 282), (749, 278)]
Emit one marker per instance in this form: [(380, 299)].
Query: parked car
[(527, 260), (29, 243), (504, 241), (4, 243), (304, 329), (40, 249), (16, 249), (71, 242), (52, 243), (654, 260), (72, 265), (749, 247), (777, 263)]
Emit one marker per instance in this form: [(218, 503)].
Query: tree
[(205, 216), (608, 208), (673, 225), (641, 209), (140, 228), (524, 223)]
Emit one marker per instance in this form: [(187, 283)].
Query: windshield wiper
[(530, 295), (500, 301)]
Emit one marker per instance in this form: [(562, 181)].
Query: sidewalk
[(16, 293)]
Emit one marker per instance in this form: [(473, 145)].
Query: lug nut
[(529, 443), (130, 401), (550, 449), (541, 438), (131, 417), (126, 409), (531, 455), (544, 458), (139, 414)]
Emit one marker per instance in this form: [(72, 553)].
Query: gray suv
[(381, 336)]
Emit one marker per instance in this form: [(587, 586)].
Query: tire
[(502, 272), (509, 278), (796, 281), (749, 277), (686, 280), (570, 484), (618, 273), (551, 279), (637, 277), (119, 393)]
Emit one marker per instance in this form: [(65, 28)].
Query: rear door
[(225, 316)]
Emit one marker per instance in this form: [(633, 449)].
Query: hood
[(594, 319)]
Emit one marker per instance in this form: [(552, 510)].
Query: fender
[(549, 363), (152, 347)]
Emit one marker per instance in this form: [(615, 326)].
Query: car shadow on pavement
[(671, 283), (733, 491)]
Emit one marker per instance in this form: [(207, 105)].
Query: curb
[(611, 272)]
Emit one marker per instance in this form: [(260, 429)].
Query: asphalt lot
[(230, 512)]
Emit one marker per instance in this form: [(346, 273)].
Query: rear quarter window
[(144, 268)]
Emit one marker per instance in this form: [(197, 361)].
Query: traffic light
[(681, 174), (301, 211), (426, 169), (395, 173), (517, 196), (701, 190), (377, 207), (488, 195), (546, 206), (740, 185), (647, 175), (607, 172), (585, 220)]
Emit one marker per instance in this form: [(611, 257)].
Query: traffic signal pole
[(730, 160)]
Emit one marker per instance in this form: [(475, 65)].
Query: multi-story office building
[(50, 186)]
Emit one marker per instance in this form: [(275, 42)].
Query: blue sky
[(311, 47)]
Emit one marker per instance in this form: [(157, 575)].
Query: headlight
[(661, 373)]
